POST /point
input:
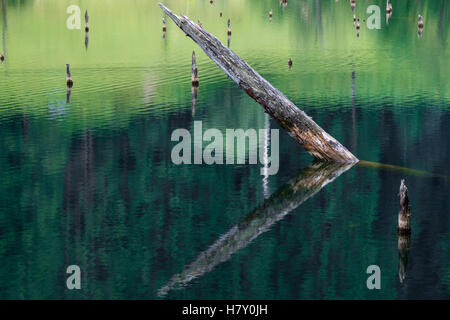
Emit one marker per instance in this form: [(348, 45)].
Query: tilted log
[(304, 186), (300, 126)]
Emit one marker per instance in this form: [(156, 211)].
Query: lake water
[(87, 177)]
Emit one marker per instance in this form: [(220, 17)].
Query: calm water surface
[(87, 176)]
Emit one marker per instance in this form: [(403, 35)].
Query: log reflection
[(310, 181)]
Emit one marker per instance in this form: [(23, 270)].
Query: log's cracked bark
[(286, 199), (299, 125)]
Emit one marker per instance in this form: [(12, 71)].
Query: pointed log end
[(172, 15)]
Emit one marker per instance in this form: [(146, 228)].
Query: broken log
[(300, 126), (404, 215), (286, 199)]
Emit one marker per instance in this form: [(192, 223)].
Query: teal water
[(88, 179)]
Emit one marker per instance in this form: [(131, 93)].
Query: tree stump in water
[(194, 74), (404, 215)]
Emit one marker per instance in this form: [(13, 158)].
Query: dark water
[(89, 180)]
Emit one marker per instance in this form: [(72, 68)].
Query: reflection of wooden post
[(404, 231), (86, 39), (403, 254), (300, 126), (194, 74), (304, 186), (404, 215), (86, 22)]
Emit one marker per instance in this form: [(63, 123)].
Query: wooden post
[(420, 25), (404, 215), (300, 126), (194, 73)]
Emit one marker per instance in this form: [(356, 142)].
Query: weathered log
[(300, 126), (304, 186), (404, 215)]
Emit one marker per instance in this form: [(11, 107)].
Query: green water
[(87, 179)]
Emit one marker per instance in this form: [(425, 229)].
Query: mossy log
[(298, 124)]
